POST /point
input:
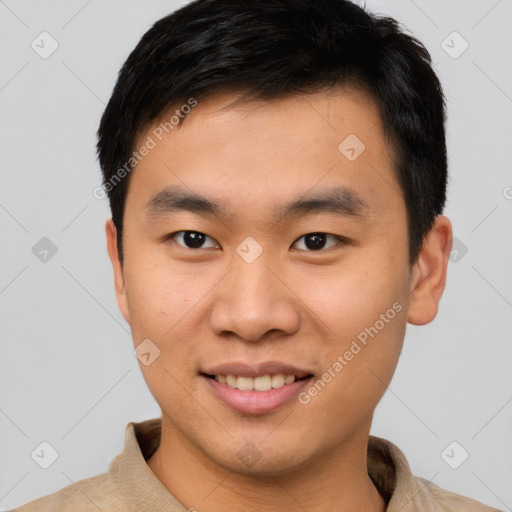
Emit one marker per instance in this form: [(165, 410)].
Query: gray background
[(68, 373)]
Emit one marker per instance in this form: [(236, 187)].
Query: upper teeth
[(263, 383)]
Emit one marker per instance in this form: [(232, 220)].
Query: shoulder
[(441, 500), (391, 473), (91, 494)]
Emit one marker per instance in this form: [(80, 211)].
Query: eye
[(192, 239), (317, 241)]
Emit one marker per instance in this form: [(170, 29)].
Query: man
[(276, 173)]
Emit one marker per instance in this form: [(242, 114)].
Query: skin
[(292, 304)]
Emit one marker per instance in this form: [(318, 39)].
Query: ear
[(117, 266), (429, 273)]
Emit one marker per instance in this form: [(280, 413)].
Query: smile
[(257, 395)]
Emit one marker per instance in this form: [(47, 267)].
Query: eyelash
[(341, 240)]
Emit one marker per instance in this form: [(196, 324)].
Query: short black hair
[(269, 49)]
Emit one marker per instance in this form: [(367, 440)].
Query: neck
[(337, 481)]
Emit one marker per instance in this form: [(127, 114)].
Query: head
[(276, 173)]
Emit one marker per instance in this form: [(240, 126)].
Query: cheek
[(160, 295), (352, 295), (357, 368), (168, 305), (163, 307), (363, 304)]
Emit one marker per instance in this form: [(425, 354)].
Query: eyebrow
[(339, 200)]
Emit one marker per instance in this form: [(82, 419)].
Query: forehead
[(258, 153)]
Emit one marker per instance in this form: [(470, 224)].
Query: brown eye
[(316, 241), (193, 239)]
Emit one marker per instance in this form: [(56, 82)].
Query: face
[(287, 273)]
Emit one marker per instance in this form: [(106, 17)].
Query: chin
[(269, 461)]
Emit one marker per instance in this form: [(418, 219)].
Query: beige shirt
[(130, 485)]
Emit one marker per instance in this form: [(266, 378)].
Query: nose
[(254, 302)]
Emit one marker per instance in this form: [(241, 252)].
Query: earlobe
[(117, 267), (429, 273)]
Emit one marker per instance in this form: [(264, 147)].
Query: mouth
[(252, 391)]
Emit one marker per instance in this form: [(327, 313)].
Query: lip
[(255, 402), (241, 369)]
